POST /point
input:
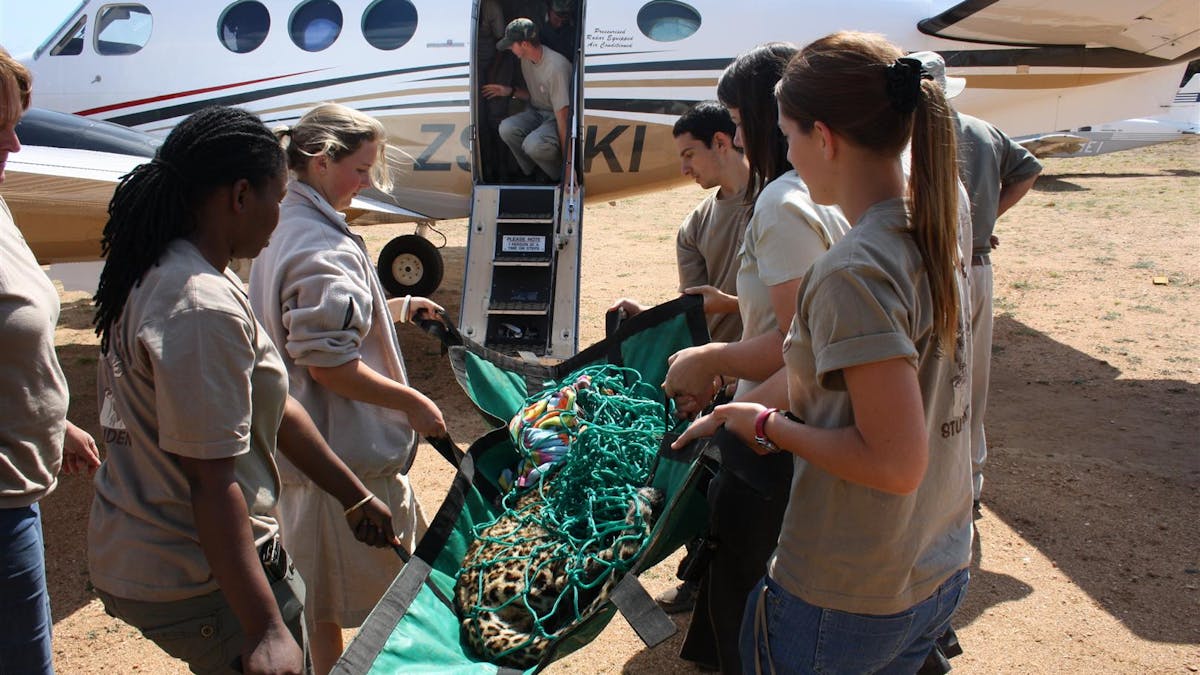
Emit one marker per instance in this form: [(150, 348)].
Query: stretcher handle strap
[(447, 449), (440, 327), (644, 615)]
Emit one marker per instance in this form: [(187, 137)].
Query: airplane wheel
[(410, 265)]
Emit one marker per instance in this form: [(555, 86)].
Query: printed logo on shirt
[(110, 421), (956, 426)]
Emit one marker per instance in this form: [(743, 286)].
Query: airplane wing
[(59, 198), (1053, 145), (366, 210), (1164, 29)]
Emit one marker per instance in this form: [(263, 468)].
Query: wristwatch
[(760, 431)]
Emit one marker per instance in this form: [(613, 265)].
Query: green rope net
[(576, 516)]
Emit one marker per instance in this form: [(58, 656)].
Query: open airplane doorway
[(521, 285)]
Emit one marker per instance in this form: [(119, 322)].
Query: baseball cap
[(935, 67), (517, 30)]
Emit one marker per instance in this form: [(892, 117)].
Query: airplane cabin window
[(668, 20), (243, 26), (389, 24), (71, 43), (316, 24), (122, 29)]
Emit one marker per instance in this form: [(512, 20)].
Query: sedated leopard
[(516, 570)]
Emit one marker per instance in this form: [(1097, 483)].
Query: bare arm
[(80, 453), (692, 370), (1012, 193), (561, 115), (629, 306), (302, 443), (403, 310), (885, 449), (223, 526), (716, 301), (494, 90), (772, 393), (357, 381)]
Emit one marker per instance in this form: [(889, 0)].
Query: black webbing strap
[(442, 328), (644, 615), (447, 449)]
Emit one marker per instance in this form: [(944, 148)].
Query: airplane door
[(521, 283)]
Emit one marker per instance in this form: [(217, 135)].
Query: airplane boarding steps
[(521, 284)]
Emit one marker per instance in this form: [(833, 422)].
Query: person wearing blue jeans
[(873, 554), (23, 597), (36, 440)]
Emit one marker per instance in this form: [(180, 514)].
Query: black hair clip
[(903, 79)]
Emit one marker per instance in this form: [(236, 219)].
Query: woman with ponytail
[(316, 291), (786, 233), (872, 557), (183, 542)]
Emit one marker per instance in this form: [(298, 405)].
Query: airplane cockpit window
[(668, 20), (122, 29), (71, 43), (389, 24), (243, 26), (316, 24)]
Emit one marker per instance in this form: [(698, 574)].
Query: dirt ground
[(1088, 552)]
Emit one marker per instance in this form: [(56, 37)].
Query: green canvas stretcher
[(415, 628)]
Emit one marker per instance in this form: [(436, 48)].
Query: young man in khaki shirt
[(708, 245)]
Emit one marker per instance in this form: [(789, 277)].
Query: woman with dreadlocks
[(872, 557), (316, 291), (183, 543)]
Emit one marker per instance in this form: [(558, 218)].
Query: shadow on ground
[(1105, 486)]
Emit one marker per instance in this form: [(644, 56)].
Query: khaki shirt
[(786, 234), (987, 161), (33, 389), (548, 81), (189, 373), (842, 545), (707, 250)]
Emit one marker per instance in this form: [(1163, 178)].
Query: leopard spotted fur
[(516, 569)]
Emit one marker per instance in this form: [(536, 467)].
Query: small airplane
[(638, 64), (1182, 120)]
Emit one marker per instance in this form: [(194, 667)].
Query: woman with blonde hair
[(36, 439), (873, 554), (316, 291)]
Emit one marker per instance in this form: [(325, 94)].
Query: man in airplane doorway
[(536, 135)]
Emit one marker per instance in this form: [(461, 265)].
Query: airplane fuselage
[(634, 86)]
